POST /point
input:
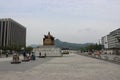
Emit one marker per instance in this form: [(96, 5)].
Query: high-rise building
[(12, 34), (112, 40), (105, 42)]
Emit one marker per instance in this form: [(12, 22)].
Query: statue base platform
[(50, 51)]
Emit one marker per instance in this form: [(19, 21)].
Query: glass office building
[(12, 33)]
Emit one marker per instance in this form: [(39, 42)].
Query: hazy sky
[(77, 21)]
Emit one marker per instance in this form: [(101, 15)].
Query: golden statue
[(48, 39)]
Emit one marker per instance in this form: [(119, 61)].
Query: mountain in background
[(73, 46), (34, 45), (61, 44)]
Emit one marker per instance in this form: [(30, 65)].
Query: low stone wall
[(48, 51), (107, 57)]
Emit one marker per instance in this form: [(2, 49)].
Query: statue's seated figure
[(48, 39)]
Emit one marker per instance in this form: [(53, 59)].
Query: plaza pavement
[(5, 59), (68, 67)]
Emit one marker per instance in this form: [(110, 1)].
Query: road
[(68, 67)]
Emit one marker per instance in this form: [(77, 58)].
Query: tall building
[(111, 41), (105, 42), (12, 34)]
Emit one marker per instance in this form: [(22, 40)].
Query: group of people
[(26, 57), (29, 56), (95, 53)]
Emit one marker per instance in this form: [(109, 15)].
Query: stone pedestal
[(48, 51)]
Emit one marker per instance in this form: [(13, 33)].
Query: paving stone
[(68, 67)]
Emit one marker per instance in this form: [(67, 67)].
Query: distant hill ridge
[(62, 44)]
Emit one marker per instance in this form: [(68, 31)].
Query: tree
[(28, 49), (94, 47)]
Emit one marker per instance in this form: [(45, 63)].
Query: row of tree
[(16, 48), (91, 47)]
